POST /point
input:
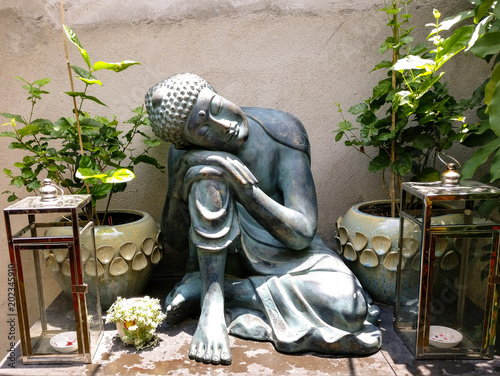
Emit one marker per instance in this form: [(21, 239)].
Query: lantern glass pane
[(406, 320), (49, 310), (459, 289), (91, 270)]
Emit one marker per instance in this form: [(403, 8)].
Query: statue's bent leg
[(214, 226)]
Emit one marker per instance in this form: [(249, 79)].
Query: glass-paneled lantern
[(448, 273), (58, 307)]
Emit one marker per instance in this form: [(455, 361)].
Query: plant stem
[(72, 88), (107, 207), (392, 188)]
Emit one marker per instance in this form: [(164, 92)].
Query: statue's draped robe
[(277, 273)]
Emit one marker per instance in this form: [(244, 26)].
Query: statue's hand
[(228, 170), (235, 167)]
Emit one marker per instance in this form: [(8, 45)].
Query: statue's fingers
[(228, 164), (245, 171)]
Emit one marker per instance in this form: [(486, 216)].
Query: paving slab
[(170, 357)]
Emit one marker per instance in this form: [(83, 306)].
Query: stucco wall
[(299, 56)]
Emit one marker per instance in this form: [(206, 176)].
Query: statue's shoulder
[(282, 127)]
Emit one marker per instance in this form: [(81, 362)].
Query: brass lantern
[(448, 274), (58, 306)]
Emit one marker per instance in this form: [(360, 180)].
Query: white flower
[(141, 315)]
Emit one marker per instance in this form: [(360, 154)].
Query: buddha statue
[(241, 201)]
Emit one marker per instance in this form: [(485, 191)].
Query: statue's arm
[(289, 212), (294, 220)]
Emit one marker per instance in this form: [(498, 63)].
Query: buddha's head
[(186, 111)]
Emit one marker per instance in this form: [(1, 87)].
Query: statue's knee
[(213, 214), (347, 303), (209, 196), (355, 312)]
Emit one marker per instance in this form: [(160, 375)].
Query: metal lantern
[(58, 306), (448, 274)]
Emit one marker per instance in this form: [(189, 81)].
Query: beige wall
[(299, 56)]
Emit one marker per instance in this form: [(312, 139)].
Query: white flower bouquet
[(136, 320)]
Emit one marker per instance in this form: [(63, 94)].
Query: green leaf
[(90, 82), (423, 141), (490, 87), (156, 142), (406, 40), (478, 158), (84, 96), (89, 173), (402, 165), (453, 44), (481, 9), (87, 163), (35, 184), (494, 110), (82, 72), (100, 191), (392, 11), (8, 134), (495, 167), (382, 64), (146, 159), (74, 39), (429, 174), (388, 43), (380, 162), (382, 88), (477, 138), (358, 108), (121, 175), (489, 44), (449, 22), (478, 32), (419, 49), (428, 83), (116, 67), (42, 82), (17, 118), (414, 62), (17, 181)]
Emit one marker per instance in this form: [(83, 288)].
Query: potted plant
[(136, 320), (90, 154), (407, 122), (485, 133)]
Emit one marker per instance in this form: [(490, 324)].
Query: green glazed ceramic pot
[(125, 257), (369, 245)]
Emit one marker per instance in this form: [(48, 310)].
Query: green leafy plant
[(484, 43), (410, 117), (140, 318), (81, 153)]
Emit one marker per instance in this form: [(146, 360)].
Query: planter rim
[(144, 216), (356, 207)]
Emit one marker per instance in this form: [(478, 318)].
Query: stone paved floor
[(251, 358)]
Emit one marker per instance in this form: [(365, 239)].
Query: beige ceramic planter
[(126, 256), (369, 245)]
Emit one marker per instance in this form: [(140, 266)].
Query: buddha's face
[(215, 123)]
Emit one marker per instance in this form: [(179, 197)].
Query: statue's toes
[(193, 351), (225, 357), (208, 358)]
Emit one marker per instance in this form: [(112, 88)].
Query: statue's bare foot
[(184, 299), (210, 342)]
